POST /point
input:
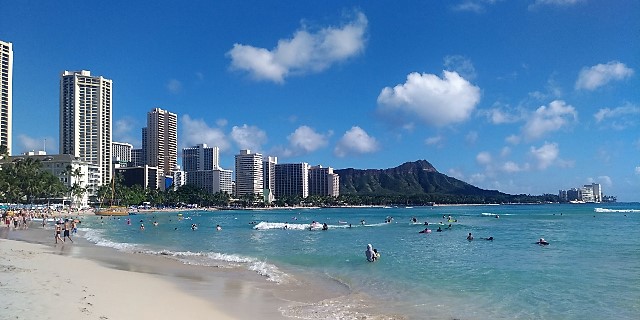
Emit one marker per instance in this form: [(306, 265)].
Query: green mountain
[(410, 178)]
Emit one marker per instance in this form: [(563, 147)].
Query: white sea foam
[(269, 271), (213, 259), (605, 210)]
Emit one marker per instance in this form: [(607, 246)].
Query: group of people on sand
[(65, 227)]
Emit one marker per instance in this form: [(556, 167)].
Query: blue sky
[(525, 96)]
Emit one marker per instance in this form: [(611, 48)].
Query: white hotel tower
[(249, 173), (6, 89), (85, 119)]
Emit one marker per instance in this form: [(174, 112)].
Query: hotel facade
[(85, 119), (6, 93)]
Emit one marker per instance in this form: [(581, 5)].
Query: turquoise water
[(590, 270)]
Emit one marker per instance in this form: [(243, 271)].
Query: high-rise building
[(211, 181), (292, 179), (160, 146), (200, 157), (323, 182), (6, 93), (269, 178), (85, 119), (121, 151), (248, 173)]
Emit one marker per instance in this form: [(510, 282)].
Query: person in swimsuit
[(57, 235), (66, 232)]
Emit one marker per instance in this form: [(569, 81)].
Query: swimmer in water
[(542, 242), (470, 237)]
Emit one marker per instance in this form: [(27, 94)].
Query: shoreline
[(102, 280)]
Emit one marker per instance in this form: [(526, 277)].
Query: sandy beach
[(42, 280)]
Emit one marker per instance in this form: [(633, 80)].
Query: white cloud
[(127, 130), (501, 115), (512, 167), (456, 173), (434, 100), (637, 170), (484, 158), (620, 117), (248, 137), (606, 181), (547, 119), (591, 78), (196, 131), (513, 139), (556, 3), (304, 53), (222, 122), (433, 141), (27, 143), (461, 65), (546, 155), (306, 140), (355, 141), (477, 6), (174, 86)]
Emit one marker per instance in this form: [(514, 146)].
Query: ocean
[(589, 270)]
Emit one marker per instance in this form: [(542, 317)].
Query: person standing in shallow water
[(470, 237), (370, 254)]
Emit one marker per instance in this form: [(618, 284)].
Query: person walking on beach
[(67, 233), (57, 234)]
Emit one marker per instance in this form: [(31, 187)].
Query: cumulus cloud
[(127, 130), (306, 140), (512, 167), (197, 131), (174, 86), (483, 158), (547, 119), (606, 181), (591, 78), (618, 118), (433, 100), (305, 52), (461, 65), (355, 141), (546, 155), (248, 137), (27, 143)]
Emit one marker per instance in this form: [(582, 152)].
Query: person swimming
[(426, 230), (325, 227), (542, 242), (470, 237), (489, 239), (439, 229), (376, 255)]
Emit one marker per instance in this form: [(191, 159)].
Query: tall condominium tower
[(85, 119), (6, 91), (248, 173), (269, 177), (292, 179), (200, 157), (161, 140)]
